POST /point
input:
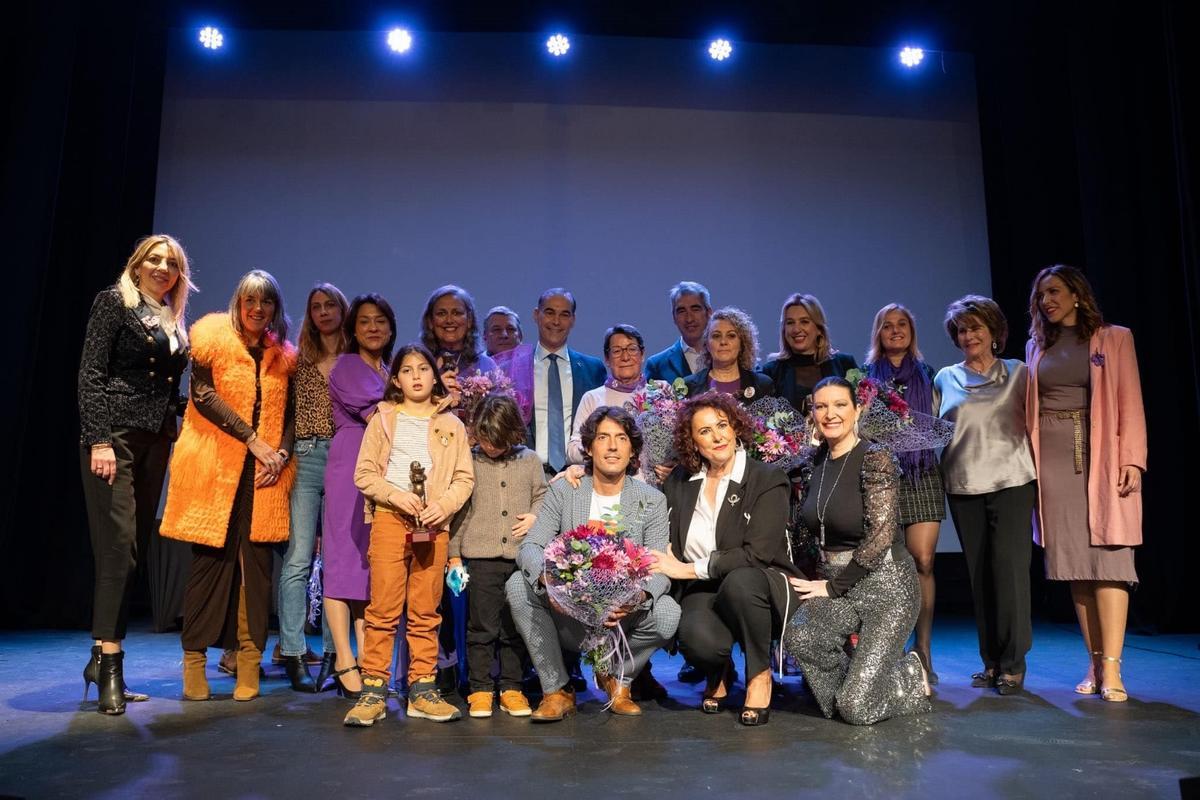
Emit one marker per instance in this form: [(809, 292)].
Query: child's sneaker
[(479, 704), (515, 704), (371, 705), (424, 702)]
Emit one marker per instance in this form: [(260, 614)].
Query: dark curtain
[(1088, 159)]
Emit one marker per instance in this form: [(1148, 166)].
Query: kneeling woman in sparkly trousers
[(849, 502), (230, 479)]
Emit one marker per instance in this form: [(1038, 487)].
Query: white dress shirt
[(691, 355), (541, 371), (701, 538)]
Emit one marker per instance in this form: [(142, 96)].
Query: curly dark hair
[(587, 432), (727, 404), (497, 421)]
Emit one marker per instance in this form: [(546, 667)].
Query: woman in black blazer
[(805, 355), (133, 355), (732, 348), (729, 557)]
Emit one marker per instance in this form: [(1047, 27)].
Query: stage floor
[(1050, 742)]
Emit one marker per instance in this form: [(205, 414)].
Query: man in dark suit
[(691, 308), (560, 376)]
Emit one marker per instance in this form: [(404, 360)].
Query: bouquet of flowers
[(886, 418), (590, 572), (779, 434), (655, 408), (476, 387)]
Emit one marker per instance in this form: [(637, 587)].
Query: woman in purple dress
[(356, 386)]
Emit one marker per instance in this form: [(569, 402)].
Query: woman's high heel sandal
[(710, 704), (1113, 694), (91, 674), (1089, 685), (754, 716), (342, 691)]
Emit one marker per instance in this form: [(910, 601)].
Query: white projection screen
[(631, 164)]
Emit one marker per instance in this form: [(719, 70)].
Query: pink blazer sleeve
[(1131, 416)]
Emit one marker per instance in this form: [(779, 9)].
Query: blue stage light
[(399, 40), (720, 49), (912, 56), (211, 38), (558, 45)]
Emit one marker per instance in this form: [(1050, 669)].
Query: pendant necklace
[(821, 511)]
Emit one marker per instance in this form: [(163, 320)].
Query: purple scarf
[(912, 381)]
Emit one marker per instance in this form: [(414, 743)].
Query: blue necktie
[(557, 450)]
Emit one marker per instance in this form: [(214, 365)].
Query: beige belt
[(1077, 416)]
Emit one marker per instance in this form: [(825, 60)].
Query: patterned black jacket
[(128, 376)]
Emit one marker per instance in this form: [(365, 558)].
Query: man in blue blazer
[(691, 308), (553, 363), (612, 443)]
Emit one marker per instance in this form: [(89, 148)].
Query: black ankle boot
[(326, 670), (91, 674), (297, 672), (111, 682)]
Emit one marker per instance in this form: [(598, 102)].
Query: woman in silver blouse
[(988, 473)]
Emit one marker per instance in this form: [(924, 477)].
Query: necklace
[(822, 509)]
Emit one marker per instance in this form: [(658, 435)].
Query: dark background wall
[(1088, 156)]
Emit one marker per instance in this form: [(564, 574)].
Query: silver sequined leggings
[(878, 682)]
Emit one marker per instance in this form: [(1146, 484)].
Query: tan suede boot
[(195, 684), (249, 657)]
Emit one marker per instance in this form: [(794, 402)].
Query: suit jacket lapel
[(687, 508), (581, 504), (729, 511), (681, 362)]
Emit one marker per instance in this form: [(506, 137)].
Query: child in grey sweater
[(509, 485)]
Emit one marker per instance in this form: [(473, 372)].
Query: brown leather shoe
[(555, 706), (620, 701)]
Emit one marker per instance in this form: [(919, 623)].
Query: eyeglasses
[(630, 350)]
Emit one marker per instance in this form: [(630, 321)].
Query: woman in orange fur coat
[(230, 479)]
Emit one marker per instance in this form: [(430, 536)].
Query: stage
[(1049, 742)]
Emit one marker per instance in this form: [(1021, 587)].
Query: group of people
[(364, 452)]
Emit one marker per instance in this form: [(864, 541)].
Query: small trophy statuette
[(419, 532)]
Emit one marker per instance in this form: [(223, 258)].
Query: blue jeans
[(308, 493)]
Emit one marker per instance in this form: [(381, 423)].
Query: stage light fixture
[(912, 56), (720, 49), (558, 45), (399, 40), (211, 38)]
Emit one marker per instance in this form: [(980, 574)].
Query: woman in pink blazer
[(1088, 431)]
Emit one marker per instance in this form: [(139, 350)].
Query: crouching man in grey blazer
[(612, 443)]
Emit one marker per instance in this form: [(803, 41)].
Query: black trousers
[(120, 519), (490, 624), (738, 608), (210, 601), (996, 533)]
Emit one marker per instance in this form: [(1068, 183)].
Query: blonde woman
[(133, 354), (894, 358), (230, 479), (805, 354)]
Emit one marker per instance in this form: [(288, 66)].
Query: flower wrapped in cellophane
[(885, 417), (779, 434), (590, 572), (655, 408)]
